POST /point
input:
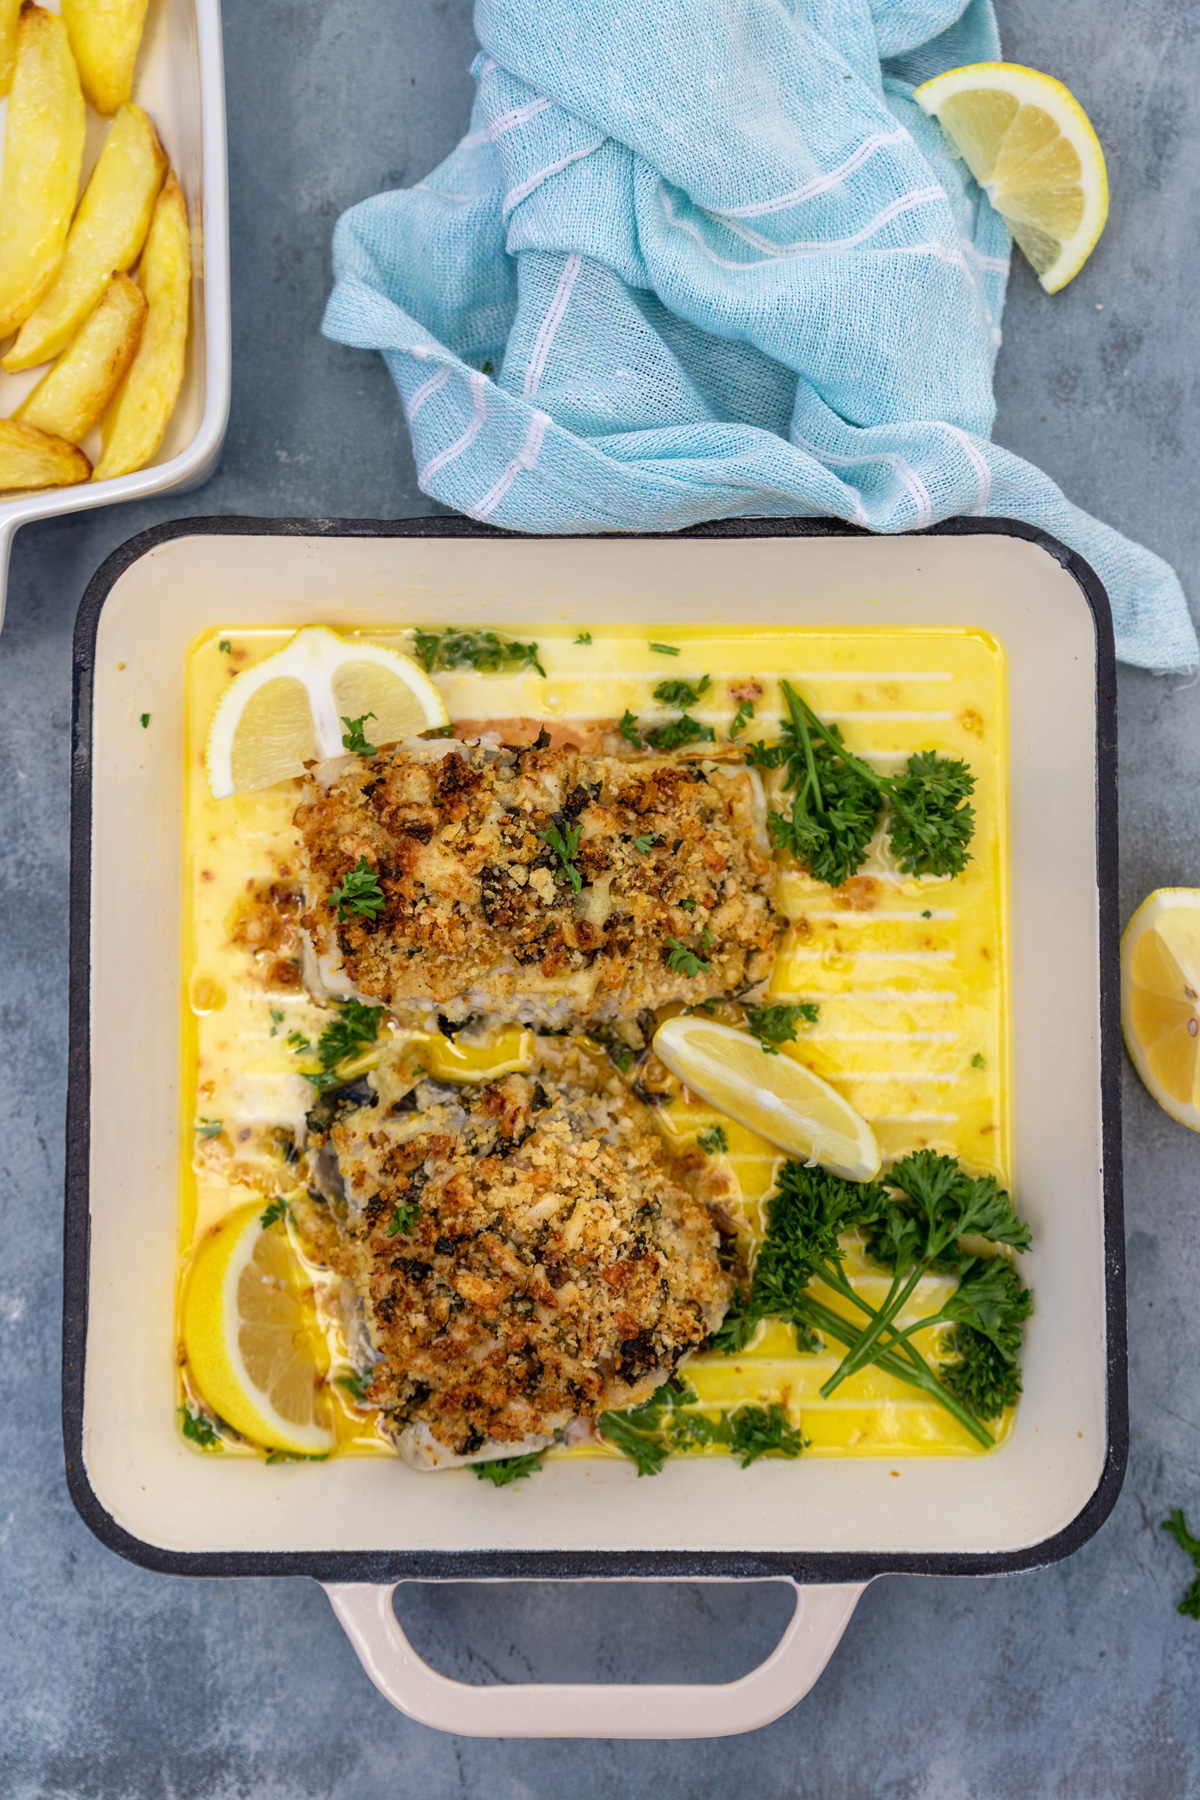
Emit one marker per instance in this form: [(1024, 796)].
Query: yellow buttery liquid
[(910, 976)]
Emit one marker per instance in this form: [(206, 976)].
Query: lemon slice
[(1160, 999), (251, 1341), (1030, 146), (288, 709), (774, 1095)]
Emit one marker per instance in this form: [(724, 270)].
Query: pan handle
[(554, 1709)]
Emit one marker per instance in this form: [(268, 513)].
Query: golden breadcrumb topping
[(540, 882), (528, 1253)]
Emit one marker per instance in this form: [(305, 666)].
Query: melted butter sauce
[(910, 976)]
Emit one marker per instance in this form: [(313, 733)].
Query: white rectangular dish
[(357, 1523), (180, 82)]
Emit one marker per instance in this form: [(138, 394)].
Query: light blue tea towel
[(701, 258)]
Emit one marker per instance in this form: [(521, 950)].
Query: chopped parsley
[(297, 1041), (226, 646), (644, 844), (502, 1470), (276, 1020), (276, 1214), (775, 1025), (647, 1434), (403, 1219), (353, 1031), (688, 905), (927, 914), (1189, 1606), (210, 1128), (355, 1385), (483, 651), (681, 693), (585, 637), (352, 737), (286, 1456), (977, 1061), (679, 732), (359, 892), (685, 961), (741, 719), (486, 367), (145, 720), (565, 845), (713, 1142), (666, 649), (628, 729), (196, 1427)]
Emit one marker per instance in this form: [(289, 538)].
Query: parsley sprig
[(352, 737), (741, 719), (775, 1025), (685, 961), (358, 892), (403, 1219), (682, 693), (837, 800), (913, 1221), (354, 1029), (483, 651), (714, 1141), (565, 845), (1189, 1606), (196, 1428), (648, 1433), (678, 733), (502, 1470)]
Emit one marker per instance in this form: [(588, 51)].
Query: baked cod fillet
[(527, 1256), (545, 884)]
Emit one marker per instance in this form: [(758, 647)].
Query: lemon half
[(774, 1095), (1160, 999), (1031, 147), (250, 1337), (289, 708)]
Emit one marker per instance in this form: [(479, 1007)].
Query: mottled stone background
[(1079, 1682)]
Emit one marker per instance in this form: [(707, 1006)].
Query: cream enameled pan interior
[(162, 1493)]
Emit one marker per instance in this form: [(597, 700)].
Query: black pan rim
[(387, 1566)]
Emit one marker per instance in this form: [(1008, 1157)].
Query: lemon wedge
[(1030, 146), (774, 1095), (1160, 999), (251, 1341), (289, 708)]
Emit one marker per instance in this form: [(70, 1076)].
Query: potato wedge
[(10, 12), (105, 35), (30, 458), (70, 399), (134, 424), (43, 150), (108, 233)]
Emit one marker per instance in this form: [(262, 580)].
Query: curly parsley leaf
[(1189, 1606), (775, 1025), (565, 845), (353, 738), (756, 1431), (483, 651), (682, 693), (354, 1030), (276, 1214), (678, 733), (741, 719), (502, 1470), (644, 844), (358, 892), (196, 1428), (403, 1219), (638, 1431), (684, 961)]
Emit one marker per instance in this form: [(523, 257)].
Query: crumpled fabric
[(707, 258)]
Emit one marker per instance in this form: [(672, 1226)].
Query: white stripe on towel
[(820, 184), (526, 187), (904, 472), (802, 247), (509, 121), (438, 462), (526, 458), (977, 461), (426, 389), (548, 330)]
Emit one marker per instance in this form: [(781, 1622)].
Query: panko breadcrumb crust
[(480, 912), (556, 1264)]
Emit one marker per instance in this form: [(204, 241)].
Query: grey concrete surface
[(1080, 1682)]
